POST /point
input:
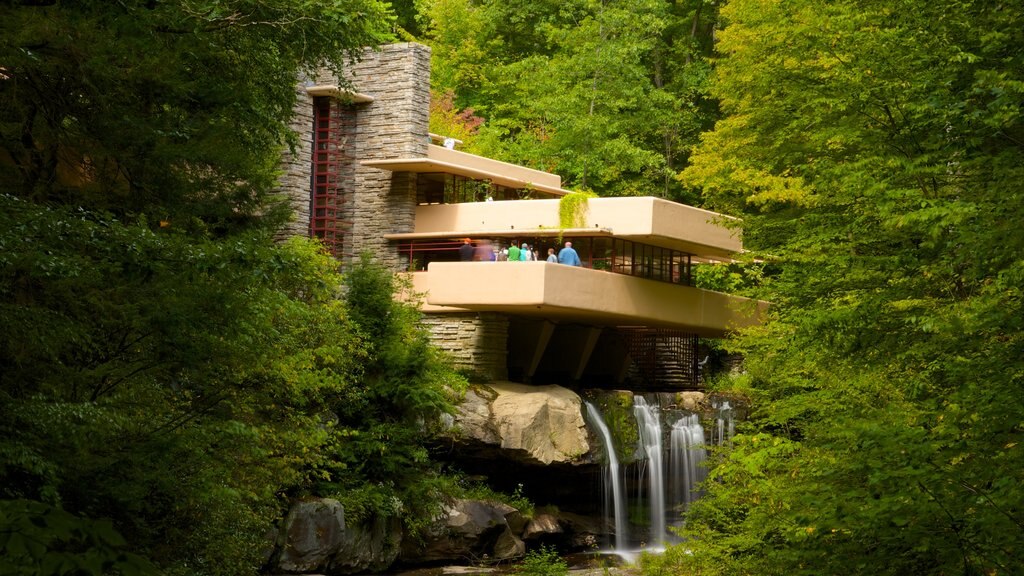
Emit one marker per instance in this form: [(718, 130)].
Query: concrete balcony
[(581, 295), (645, 220)]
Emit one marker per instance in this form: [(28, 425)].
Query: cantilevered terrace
[(365, 178), (638, 252)]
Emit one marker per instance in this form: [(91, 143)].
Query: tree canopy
[(876, 154), (174, 109), (169, 376), (608, 94)]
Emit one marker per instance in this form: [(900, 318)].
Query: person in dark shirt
[(466, 251)]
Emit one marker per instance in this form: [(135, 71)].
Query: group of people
[(484, 252)]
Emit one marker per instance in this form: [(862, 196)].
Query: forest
[(170, 376)]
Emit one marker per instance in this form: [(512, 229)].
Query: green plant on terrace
[(572, 210)]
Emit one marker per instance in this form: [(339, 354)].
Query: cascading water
[(613, 479), (668, 489), (686, 458), (725, 426), (648, 419)]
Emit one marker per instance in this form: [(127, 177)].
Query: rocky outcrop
[(532, 424), (316, 538), (469, 530), (692, 401), (542, 525), (313, 532)]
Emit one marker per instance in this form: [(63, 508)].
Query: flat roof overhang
[(581, 295), (441, 160), (646, 220), (343, 94)]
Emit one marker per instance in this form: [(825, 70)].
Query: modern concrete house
[(370, 177)]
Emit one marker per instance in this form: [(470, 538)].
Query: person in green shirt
[(513, 253)]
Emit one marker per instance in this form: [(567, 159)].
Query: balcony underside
[(581, 295), (443, 161)]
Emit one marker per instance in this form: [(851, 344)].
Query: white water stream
[(648, 421), (612, 474), (668, 488)]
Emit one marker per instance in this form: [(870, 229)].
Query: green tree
[(175, 385), (876, 153), (176, 109), (381, 465), (169, 376), (610, 95)]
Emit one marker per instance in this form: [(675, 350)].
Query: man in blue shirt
[(569, 256)]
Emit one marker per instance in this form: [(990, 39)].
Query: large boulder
[(313, 532), (473, 418), (692, 401), (585, 531), (316, 538), (371, 546), (531, 424), (468, 531), (542, 525)]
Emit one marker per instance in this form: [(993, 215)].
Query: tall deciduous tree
[(876, 151), (163, 364), (609, 94), (175, 109)]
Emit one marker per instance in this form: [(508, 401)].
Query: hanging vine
[(572, 210)]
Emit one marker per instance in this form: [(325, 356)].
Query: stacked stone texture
[(297, 168), (475, 342), (394, 125)]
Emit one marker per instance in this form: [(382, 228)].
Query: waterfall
[(668, 489), (686, 456), (648, 419), (612, 473), (725, 426)]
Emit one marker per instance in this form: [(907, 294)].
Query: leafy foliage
[(875, 151), (609, 94), (174, 109), (572, 209), (43, 540), (383, 464), (542, 561), (171, 384), (164, 365), (447, 120)]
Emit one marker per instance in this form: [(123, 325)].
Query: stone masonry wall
[(475, 342), (297, 168), (394, 125)]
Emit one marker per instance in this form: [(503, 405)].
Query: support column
[(543, 335), (589, 342)]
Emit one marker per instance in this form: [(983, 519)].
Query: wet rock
[(531, 424), (316, 538), (468, 531), (542, 525)]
